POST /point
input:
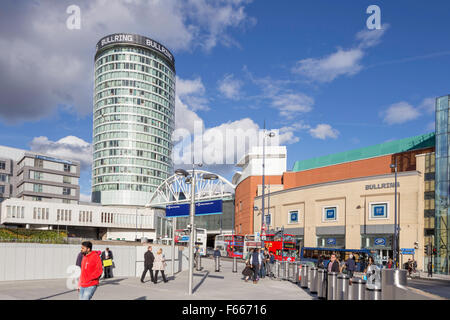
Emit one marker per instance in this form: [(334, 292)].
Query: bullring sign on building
[(381, 186), (136, 39)]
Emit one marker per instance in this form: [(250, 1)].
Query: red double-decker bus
[(283, 247), (230, 245)]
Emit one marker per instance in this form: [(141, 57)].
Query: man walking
[(350, 266), (333, 265), (91, 271), (107, 257), (430, 269), (255, 262), (148, 264)]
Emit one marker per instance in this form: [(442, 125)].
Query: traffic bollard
[(313, 280), (321, 283), (234, 264), (342, 287), (390, 280), (332, 285), (305, 274), (358, 289), (217, 264)]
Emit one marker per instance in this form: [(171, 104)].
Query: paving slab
[(208, 285)]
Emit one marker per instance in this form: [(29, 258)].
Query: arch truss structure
[(177, 189)]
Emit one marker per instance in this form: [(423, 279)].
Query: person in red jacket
[(91, 271)]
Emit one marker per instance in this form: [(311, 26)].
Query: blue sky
[(309, 68)]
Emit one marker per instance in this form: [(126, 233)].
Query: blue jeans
[(262, 271), (87, 293)]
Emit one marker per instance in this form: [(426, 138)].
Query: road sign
[(201, 209), (407, 251)]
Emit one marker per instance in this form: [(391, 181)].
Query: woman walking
[(158, 265)]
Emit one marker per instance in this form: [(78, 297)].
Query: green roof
[(391, 147)]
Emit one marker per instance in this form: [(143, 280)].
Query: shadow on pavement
[(58, 294)]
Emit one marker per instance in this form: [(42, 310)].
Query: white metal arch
[(175, 189)]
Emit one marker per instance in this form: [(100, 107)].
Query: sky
[(312, 70)]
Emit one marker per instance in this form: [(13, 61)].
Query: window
[(67, 180), (2, 189), (66, 191), (2, 165), (293, 217), (3, 178), (38, 163), (329, 214), (379, 210), (67, 167), (36, 198), (37, 187), (37, 175), (65, 201)]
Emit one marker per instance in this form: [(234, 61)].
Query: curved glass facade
[(442, 188), (134, 113)]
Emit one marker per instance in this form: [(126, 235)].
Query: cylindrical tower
[(134, 116)]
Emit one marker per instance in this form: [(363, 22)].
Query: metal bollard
[(321, 283), (234, 264), (305, 274), (390, 279), (342, 287), (332, 285), (358, 289), (313, 280), (217, 263), (373, 293), (296, 272), (199, 263)]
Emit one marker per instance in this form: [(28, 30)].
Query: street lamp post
[(270, 135), (394, 166), (192, 181)]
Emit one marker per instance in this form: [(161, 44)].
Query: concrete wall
[(41, 261)]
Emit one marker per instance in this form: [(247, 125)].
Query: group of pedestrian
[(258, 265), (94, 263), (411, 266), (154, 263)]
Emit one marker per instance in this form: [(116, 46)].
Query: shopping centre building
[(347, 200)]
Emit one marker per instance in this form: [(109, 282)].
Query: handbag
[(107, 263)]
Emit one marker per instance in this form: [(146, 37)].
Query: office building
[(134, 110), (38, 177)]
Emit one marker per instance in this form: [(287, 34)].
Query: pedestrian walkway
[(208, 285)]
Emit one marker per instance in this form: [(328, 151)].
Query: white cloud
[(323, 131), (399, 113), (370, 38), (70, 147), (192, 92), (428, 105), (85, 197), (343, 62), (230, 87), (291, 104), (46, 65)]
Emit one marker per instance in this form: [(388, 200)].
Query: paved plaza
[(208, 285)]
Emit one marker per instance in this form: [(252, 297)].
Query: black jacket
[(334, 267), (110, 255), (148, 259), (79, 259)]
